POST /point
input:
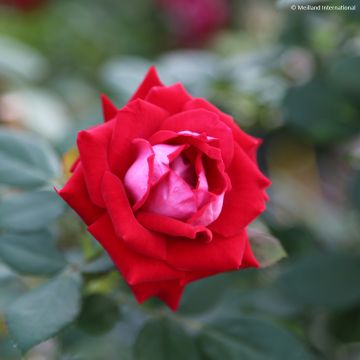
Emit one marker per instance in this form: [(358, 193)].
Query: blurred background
[(291, 77)]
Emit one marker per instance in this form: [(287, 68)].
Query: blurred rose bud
[(24, 5), (298, 64), (195, 21)]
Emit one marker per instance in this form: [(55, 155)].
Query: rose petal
[(245, 201), (151, 79), (135, 267), (247, 142), (249, 259), (209, 212), (173, 227), (221, 254), (168, 291), (124, 222), (150, 166), (76, 195), (203, 121), (108, 108), (137, 179), (164, 136), (93, 144), (171, 98), (138, 119), (172, 197), (181, 167), (164, 154)]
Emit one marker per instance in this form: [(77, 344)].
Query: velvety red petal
[(168, 291), (169, 136), (245, 201), (151, 79), (93, 149), (247, 142), (76, 195), (221, 254), (124, 222), (138, 119), (172, 227), (203, 121), (135, 267), (108, 108), (171, 98)]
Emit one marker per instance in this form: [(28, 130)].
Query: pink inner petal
[(209, 212), (163, 154), (182, 167), (137, 177), (171, 180), (172, 197)]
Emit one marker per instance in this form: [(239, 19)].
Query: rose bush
[(167, 185)]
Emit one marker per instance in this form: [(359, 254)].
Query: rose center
[(171, 180)]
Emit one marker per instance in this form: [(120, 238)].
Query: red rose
[(195, 21), (168, 185)]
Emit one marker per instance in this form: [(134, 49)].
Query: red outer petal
[(108, 108), (171, 98), (151, 79), (173, 227), (135, 267), (246, 200), (125, 224), (168, 291), (222, 254), (203, 121), (247, 142), (76, 195), (138, 119), (93, 145)]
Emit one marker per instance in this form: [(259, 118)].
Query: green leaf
[(44, 311), (26, 161), (163, 339), (249, 338), (11, 287), (320, 111), (101, 265), (323, 279), (33, 253), (30, 211), (267, 249), (346, 73), (203, 295), (98, 315)]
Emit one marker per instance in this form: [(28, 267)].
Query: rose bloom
[(167, 185), (195, 21), (23, 4)]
